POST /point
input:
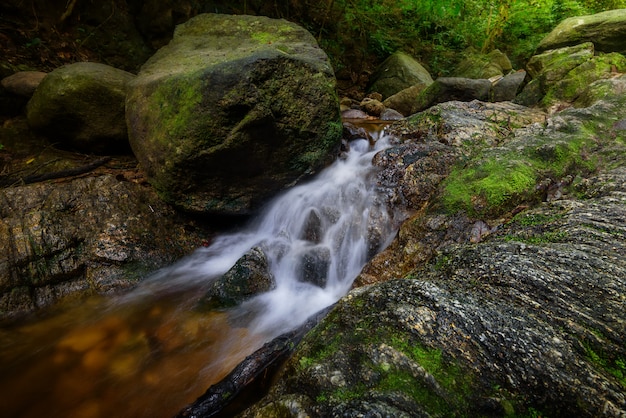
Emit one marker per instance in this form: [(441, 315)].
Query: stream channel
[(152, 351)]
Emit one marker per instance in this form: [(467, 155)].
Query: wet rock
[(396, 73), (391, 114), (314, 265), (84, 236), (354, 114), (213, 119), (81, 106), (312, 229), (607, 31), (249, 277), (352, 131)]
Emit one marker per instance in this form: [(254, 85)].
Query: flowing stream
[(152, 351)]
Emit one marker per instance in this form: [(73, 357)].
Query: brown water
[(147, 359)]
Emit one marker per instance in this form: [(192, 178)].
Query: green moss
[(543, 238), (173, 106), (496, 182), (491, 185), (534, 219), (616, 367), (264, 37)]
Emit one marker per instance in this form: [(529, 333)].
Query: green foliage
[(353, 31)]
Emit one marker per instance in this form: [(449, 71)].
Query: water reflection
[(147, 359)]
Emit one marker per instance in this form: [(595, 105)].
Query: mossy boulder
[(607, 31), (476, 65), (396, 73), (554, 64), (81, 106), (562, 75), (578, 79), (231, 111)]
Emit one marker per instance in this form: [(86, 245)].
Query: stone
[(23, 83), (249, 277), (446, 89), (606, 30), (507, 87), (397, 73), (552, 65), (404, 100), (82, 106), (372, 107), (231, 111), (477, 65)]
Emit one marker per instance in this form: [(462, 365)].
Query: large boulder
[(563, 74), (396, 73), (446, 89), (231, 111), (607, 31), (81, 106)]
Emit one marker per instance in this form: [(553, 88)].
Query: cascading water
[(149, 353)]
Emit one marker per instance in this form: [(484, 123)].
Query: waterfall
[(316, 236), (150, 352)]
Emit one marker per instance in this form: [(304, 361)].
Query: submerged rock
[(231, 111), (249, 277)]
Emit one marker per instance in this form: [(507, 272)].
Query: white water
[(351, 217)]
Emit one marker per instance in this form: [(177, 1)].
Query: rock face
[(510, 306), (531, 318), (396, 73), (231, 111), (82, 107), (90, 235), (607, 31)]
